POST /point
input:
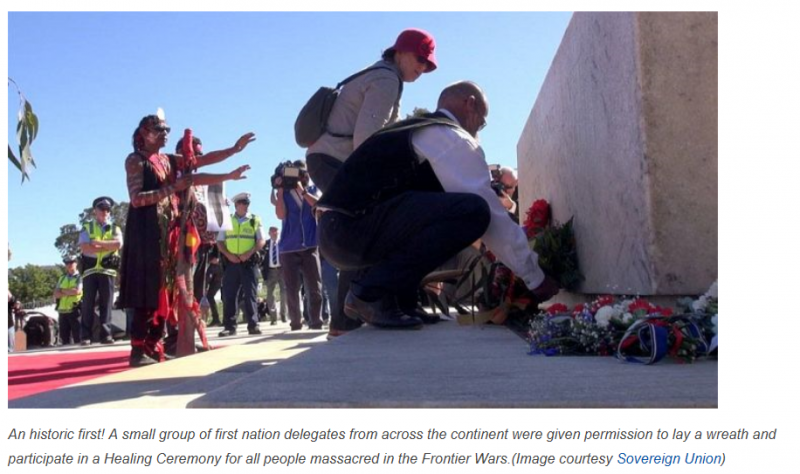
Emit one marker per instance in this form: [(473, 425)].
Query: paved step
[(175, 383), (452, 366)]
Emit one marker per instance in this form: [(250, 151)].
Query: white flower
[(627, 317), (712, 292), (701, 304), (603, 316)]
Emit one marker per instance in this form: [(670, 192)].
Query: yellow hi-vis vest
[(67, 303), (95, 232), (242, 237)]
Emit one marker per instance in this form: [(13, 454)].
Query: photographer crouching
[(294, 199)]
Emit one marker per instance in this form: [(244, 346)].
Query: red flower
[(640, 304), (578, 309), (557, 308), (606, 300), (666, 312), (537, 218)]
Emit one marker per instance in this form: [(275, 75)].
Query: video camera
[(290, 174), (495, 183)]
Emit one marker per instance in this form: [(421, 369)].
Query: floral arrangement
[(507, 299), (606, 325), (554, 243), (705, 310), (595, 328)]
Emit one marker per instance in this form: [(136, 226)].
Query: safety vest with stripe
[(95, 264), (242, 237), (67, 303)]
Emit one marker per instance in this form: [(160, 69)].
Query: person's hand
[(238, 173), (300, 189), (546, 290), (506, 201), (183, 182), (243, 141), (232, 258)]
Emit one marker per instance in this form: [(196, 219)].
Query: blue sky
[(91, 76)]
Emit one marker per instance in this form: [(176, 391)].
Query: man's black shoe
[(141, 360), (383, 313), (254, 331), (227, 332), (315, 327), (108, 340), (424, 316)]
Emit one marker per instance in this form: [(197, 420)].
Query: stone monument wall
[(623, 136)]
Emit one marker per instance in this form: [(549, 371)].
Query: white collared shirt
[(460, 165), (274, 258)]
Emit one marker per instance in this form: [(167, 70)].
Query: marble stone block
[(623, 136)]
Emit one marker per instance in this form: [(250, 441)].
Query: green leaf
[(13, 158)]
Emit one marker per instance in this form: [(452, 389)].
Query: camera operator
[(100, 241), (294, 199), (241, 246), (504, 184)]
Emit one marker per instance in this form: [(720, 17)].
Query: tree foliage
[(67, 240), (27, 129), (418, 112), (33, 282)]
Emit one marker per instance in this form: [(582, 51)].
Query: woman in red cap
[(366, 104), (370, 102), (148, 261)]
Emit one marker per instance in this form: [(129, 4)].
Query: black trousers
[(95, 284), (69, 327), (211, 295), (401, 240), (245, 277)]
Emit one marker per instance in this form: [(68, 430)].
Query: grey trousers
[(307, 263)]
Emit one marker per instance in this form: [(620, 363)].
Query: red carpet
[(29, 375)]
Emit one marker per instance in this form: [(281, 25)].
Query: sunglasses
[(246, 203), (160, 128)]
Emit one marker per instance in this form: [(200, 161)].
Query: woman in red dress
[(149, 255)]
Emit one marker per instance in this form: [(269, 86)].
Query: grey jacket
[(365, 105)]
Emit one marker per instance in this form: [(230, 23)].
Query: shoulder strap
[(359, 73), (364, 71), (253, 223)]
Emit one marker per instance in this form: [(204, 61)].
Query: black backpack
[(312, 121)]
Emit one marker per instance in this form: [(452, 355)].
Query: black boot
[(139, 359)]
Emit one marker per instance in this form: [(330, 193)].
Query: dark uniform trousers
[(239, 277)]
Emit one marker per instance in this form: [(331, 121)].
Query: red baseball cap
[(419, 42)]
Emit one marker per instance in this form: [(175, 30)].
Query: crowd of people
[(377, 204)]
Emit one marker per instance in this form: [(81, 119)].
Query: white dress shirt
[(460, 165), (274, 254)]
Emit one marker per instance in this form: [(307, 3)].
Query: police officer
[(68, 294), (240, 247), (100, 241)]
